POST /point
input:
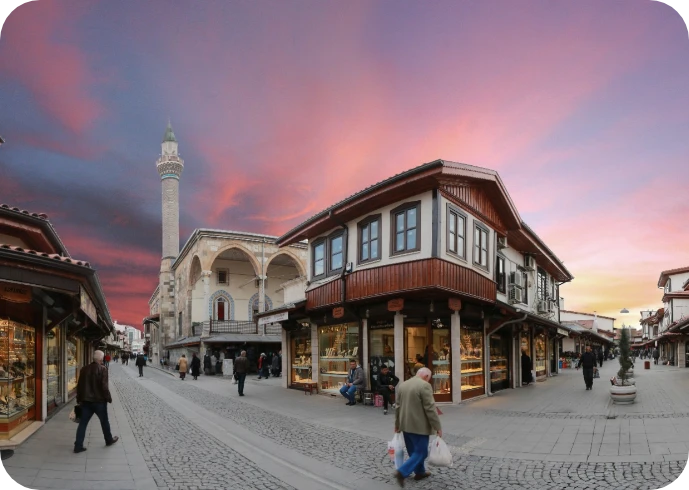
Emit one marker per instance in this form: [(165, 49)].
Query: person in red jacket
[(106, 361), (261, 365)]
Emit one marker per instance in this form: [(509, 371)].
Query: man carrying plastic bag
[(416, 417)]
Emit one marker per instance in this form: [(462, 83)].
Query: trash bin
[(647, 364)]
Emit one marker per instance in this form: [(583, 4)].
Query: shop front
[(337, 344), (381, 338), (300, 353), (500, 360), (472, 352), (427, 344), (539, 359)]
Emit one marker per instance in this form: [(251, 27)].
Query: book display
[(338, 344), (17, 373), (302, 365), (471, 351), (540, 359)]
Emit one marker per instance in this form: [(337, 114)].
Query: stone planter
[(628, 382), (630, 373), (623, 395)]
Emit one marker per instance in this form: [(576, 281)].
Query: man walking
[(386, 386), (587, 362), (656, 355), (140, 363), (417, 418), (600, 357), (241, 366), (355, 381), (93, 396)]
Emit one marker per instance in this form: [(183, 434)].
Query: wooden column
[(455, 345)]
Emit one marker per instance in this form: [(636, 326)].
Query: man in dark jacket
[(600, 357), (386, 386), (140, 363), (527, 366), (93, 396), (587, 363), (656, 355), (275, 366), (355, 381), (241, 367)]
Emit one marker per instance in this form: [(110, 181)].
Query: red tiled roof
[(675, 295), (24, 211), (58, 257)]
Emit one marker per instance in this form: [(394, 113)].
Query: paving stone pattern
[(366, 455), (179, 454), (559, 415)]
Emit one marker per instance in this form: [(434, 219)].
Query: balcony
[(225, 326), (415, 276)]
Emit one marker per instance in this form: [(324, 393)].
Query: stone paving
[(553, 435)]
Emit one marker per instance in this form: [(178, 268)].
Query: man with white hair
[(417, 418), (93, 396)]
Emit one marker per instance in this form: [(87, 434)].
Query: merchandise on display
[(17, 366), (338, 345), (301, 357), (471, 351)]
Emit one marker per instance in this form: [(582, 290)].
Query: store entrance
[(429, 346), (500, 361)]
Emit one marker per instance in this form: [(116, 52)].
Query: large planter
[(623, 395), (630, 372), (627, 382)]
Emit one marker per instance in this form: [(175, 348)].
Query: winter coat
[(183, 364), (527, 366), (195, 366)]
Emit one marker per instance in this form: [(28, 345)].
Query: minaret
[(170, 167)]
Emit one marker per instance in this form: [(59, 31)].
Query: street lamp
[(624, 310)]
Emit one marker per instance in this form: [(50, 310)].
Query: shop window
[(53, 346), (406, 228), (338, 344), (471, 351), (540, 359), (73, 363), (369, 239), (17, 376), (300, 358), (456, 231)]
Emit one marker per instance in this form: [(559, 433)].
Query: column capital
[(206, 273)]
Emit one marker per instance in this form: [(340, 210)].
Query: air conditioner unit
[(529, 263), (542, 307), (502, 242), (517, 279), (516, 295)]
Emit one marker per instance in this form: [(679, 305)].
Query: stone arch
[(227, 297), (195, 271), (250, 256), (298, 264), (254, 300)]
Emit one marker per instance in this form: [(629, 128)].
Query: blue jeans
[(88, 409), (417, 448), (348, 392)]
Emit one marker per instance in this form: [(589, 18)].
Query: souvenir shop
[(52, 316)]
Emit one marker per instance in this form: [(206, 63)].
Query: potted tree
[(623, 389)]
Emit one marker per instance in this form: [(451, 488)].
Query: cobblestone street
[(199, 434)]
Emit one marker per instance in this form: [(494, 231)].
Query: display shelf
[(300, 367), (326, 358), (471, 387), (335, 373), (441, 376), (441, 362)]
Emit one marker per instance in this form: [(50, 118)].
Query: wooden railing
[(418, 275), (232, 326)]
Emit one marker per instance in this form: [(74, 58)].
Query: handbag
[(177, 367), (75, 414)]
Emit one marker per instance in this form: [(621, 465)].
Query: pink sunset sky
[(283, 108)]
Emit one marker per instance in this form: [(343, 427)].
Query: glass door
[(415, 346), (441, 361), (382, 352), (499, 362)]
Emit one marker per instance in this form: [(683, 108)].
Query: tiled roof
[(589, 314), (25, 212), (664, 276), (57, 257)]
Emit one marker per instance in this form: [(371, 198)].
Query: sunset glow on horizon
[(282, 109)]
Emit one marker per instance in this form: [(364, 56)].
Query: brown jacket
[(416, 411), (241, 365), (183, 364), (93, 384)]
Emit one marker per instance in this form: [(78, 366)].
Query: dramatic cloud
[(282, 109)]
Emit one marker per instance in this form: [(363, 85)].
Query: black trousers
[(385, 393), (600, 361), (141, 370), (588, 377), (240, 382)]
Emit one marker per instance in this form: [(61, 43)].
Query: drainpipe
[(516, 320)]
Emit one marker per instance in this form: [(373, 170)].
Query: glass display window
[(53, 346), (337, 345), (540, 359), (416, 345), (301, 370), (381, 350), (499, 361), (471, 351), (441, 362), (17, 376), (73, 363)]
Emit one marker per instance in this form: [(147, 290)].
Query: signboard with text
[(87, 305), (396, 304), (16, 293), (277, 317)]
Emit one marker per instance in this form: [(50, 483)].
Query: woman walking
[(195, 366), (183, 364)]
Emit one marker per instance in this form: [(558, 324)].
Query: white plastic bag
[(440, 454), (396, 450), (533, 376)]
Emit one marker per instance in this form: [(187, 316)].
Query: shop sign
[(454, 304), (396, 304), (562, 331), (87, 305), (277, 317), (381, 324), (16, 293), (338, 312)]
